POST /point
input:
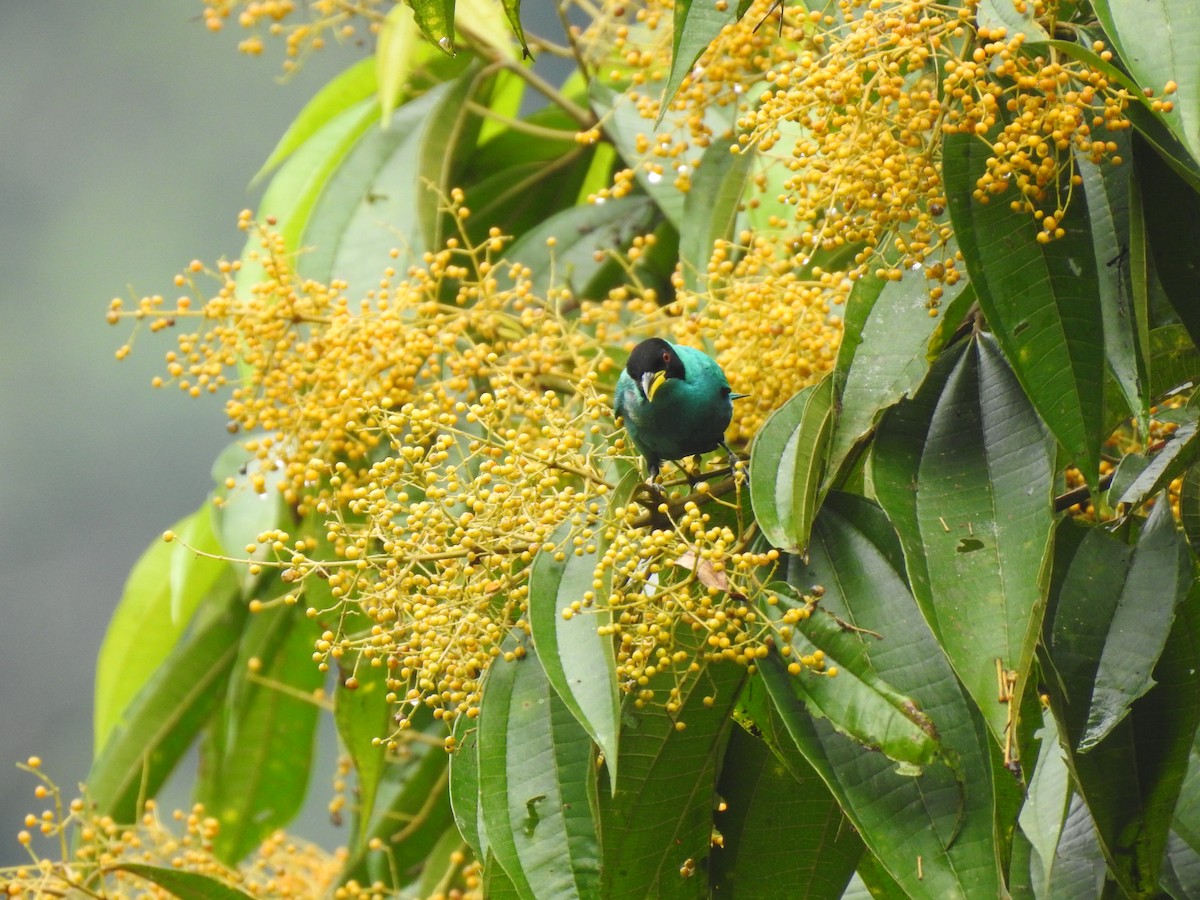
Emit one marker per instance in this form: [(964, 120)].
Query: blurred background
[(128, 136)]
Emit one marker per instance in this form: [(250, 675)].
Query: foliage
[(935, 633)]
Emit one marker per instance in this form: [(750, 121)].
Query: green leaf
[(1160, 42), (512, 11), (1044, 813), (1106, 190), (779, 824), (964, 474), (1004, 14), (242, 513), (787, 466), (1169, 208), (182, 884), (696, 26), (363, 717), (464, 787), (1113, 611), (562, 250), (412, 808), (383, 193), (884, 353), (256, 771), (1130, 721), (1041, 300), (857, 702), (577, 654), (395, 58), (710, 209), (436, 19), (163, 591), (537, 782), (660, 815), (1174, 360), (346, 90), (949, 814), (156, 729), (1176, 455)]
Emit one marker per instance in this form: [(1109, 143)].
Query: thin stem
[(550, 134)]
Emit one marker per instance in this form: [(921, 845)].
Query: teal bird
[(675, 401)]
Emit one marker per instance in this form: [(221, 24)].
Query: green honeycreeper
[(676, 402)]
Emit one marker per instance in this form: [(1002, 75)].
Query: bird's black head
[(651, 363)]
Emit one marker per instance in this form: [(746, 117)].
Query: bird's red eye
[(666, 357)]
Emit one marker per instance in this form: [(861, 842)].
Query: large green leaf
[(257, 762), (1159, 42), (576, 653), (884, 353), (779, 825), (947, 816), (464, 787), (537, 782), (787, 466), (1041, 300), (156, 729), (657, 826), (964, 474), (163, 591), (1043, 816), (1126, 691), (856, 701)]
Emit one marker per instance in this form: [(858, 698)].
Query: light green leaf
[(1041, 300), (1177, 454), (710, 210), (464, 787), (1044, 812), (577, 656), (166, 587), (1159, 42), (436, 19), (537, 782), (787, 466), (156, 729), (965, 477), (347, 90), (884, 353), (995, 14), (395, 58)]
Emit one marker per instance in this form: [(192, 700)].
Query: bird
[(675, 402)]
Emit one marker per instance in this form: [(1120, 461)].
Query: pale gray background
[(128, 135)]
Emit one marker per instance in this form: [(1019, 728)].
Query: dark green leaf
[(857, 702), (578, 658), (1135, 717), (156, 729), (537, 782), (964, 474), (787, 466), (660, 816), (1041, 300), (1174, 360), (1176, 454), (182, 884), (779, 825), (1171, 215), (257, 764), (947, 816)]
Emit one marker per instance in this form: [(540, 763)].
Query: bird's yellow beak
[(651, 382)]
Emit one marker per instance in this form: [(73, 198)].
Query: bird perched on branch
[(676, 402)]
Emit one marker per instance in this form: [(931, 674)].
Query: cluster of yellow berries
[(75, 851), (340, 19)]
